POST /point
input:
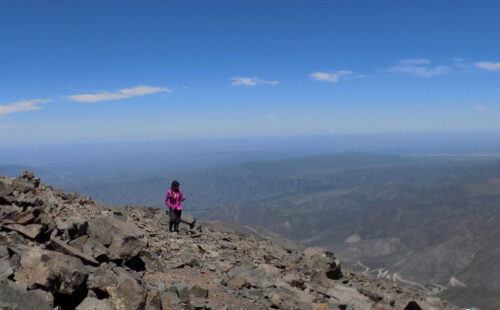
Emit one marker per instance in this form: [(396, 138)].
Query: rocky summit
[(66, 251)]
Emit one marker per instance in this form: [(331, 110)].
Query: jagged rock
[(349, 295), (153, 301), (31, 231), (189, 259), (91, 303), (412, 305), (23, 218), (13, 297), (98, 251), (5, 188), (73, 228), (52, 271), (63, 247), (4, 252), (255, 277), (198, 291), (319, 306), (239, 283), (323, 264), (123, 239), (129, 295), (275, 300), (103, 277), (182, 291), (5, 269)]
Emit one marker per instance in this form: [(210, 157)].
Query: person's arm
[(181, 195), (167, 200)]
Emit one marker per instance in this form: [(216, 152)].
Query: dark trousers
[(175, 219)]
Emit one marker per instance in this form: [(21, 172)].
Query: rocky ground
[(66, 251)]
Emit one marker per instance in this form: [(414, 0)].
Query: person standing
[(174, 200)]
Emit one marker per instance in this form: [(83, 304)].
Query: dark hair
[(175, 185)]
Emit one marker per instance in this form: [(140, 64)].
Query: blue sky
[(74, 71)]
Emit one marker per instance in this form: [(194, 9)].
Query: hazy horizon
[(126, 70)]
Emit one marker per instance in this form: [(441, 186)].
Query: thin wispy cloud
[(250, 81), (23, 106), (488, 65), (480, 108), (271, 117), (333, 77), (418, 67), (416, 61), (459, 62), (140, 90)]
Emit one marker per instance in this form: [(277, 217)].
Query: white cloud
[(459, 62), (488, 65), (271, 117), (124, 93), (480, 108), (418, 61), (22, 106), (418, 67), (253, 81), (333, 77)]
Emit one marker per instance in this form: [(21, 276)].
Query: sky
[(93, 71)]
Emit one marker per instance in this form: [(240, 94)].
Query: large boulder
[(323, 265), (31, 231), (26, 182), (349, 296), (128, 295), (13, 297), (123, 239), (52, 271), (91, 303), (107, 277)]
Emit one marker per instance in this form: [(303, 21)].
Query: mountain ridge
[(66, 251)]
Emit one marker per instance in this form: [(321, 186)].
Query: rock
[(153, 301), (103, 277), (412, 305), (129, 295), (319, 306), (189, 259), (167, 302), (91, 303), (5, 269), (5, 189), (349, 296), (31, 231), (275, 300), (178, 293), (182, 291), (63, 247), (239, 283), (97, 250), (12, 297), (255, 277), (269, 269), (26, 182), (75, 228), (323, 263), (198, 291), (123, 239), (3, 251), (52, 271), (25, 217)]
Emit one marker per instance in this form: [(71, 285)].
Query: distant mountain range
[(431, 223)]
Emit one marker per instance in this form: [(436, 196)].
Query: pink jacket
[(174, 200)]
